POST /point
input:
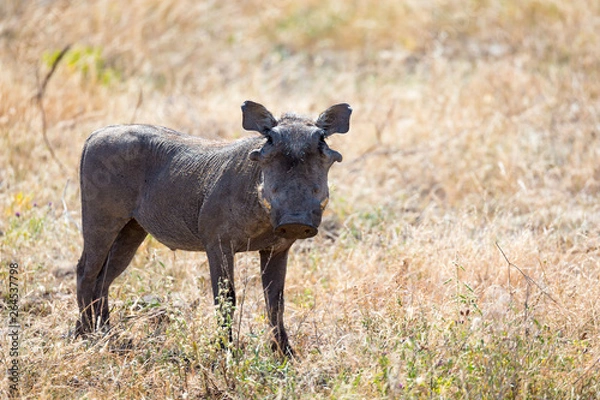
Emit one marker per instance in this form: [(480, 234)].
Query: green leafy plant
[(87, 62)]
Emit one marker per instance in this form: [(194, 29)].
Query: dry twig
[(527, 277), (66, 211), (140, 100), (39, 97)]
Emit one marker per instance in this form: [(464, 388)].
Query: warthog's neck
[(230, 209)]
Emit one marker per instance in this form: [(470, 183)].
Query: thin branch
[(62, 53), (140, 100), (65, 209), (39, 97), (380, 127), (584, 373), (527, 277)]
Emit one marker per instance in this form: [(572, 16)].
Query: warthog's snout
[(298, 225), (296, 231)]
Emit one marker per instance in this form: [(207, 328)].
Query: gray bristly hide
[(256, 194)]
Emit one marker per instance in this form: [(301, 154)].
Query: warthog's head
[(295, 161)]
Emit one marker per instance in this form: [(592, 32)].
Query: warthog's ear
[(255, 117), (336, 119)]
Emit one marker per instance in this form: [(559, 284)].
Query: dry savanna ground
[(460, 253)]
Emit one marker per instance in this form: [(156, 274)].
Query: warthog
[(255, 194)]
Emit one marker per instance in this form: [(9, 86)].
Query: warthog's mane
[(293, 118)]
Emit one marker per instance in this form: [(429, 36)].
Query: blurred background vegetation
[(475, 129)]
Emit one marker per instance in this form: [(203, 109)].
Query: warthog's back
[(154, 174)]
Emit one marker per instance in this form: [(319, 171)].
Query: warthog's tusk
[(324, 203), (266, 204)]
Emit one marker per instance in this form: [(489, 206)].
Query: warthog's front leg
[(273, 270), (220, 260)]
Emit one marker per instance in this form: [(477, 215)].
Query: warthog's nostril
[(296, 231)]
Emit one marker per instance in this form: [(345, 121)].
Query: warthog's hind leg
[(121, 253), (96, 246), (108, 246)]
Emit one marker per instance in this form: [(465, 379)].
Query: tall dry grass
[(461, 250)]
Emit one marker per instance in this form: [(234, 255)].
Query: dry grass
[(476, 131)]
